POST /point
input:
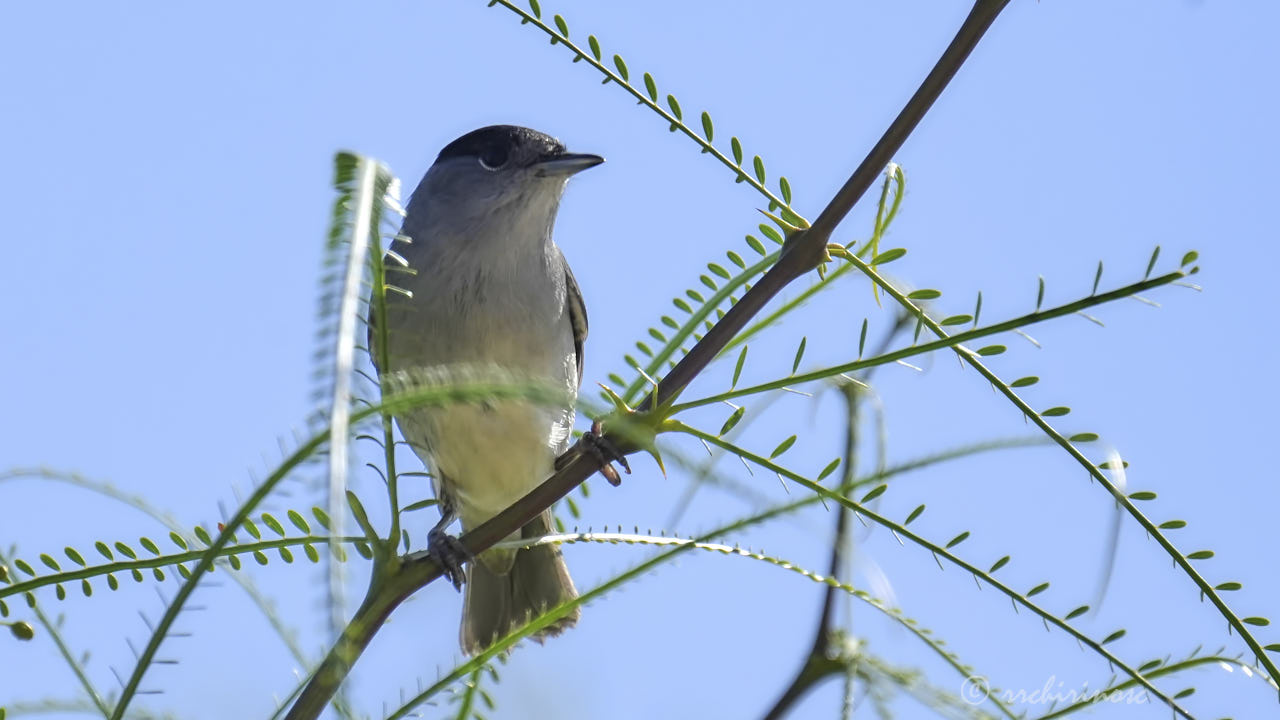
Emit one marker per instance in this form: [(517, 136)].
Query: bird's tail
[(495, 604)]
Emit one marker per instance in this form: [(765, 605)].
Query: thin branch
[(883, 357), (820, 663)]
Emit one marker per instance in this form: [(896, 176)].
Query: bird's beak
[(566, 164)]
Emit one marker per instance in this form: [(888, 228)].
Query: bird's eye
[(493, 158)]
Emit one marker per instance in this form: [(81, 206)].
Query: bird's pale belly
[(487, 455)]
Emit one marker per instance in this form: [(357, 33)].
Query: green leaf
[(756, 245), (149, 545), (795, 364), (1189, 258), (536, 8), (758, 164), (273, 524), (619, 63), (992, 350), (252, 528), (719, 270), (924, 295), (956, 320), (736, 146), (888, 255), (562, 26), (311, 552), (1150, 665), (23, 566), (830, 468), (1152, 262), (112, 582), (1273, 647), (1040, 294), (1184, 693), (1200, 555), (75, 556), (772, 234), (656, 335), (321, 517), (708, 130), (1038, 589), (1173, 524), (1142, 495), (977, 310), (651, 87), (357, 509), (595, 46), (421, 504), (862, 338), (49, 561), (783, 446), (1097, 278), (876, 492), (1078, 612), (1113, 636), (1083, 437), (178, 540), (784, 186), (736, 259), (23, 630), (733, 419), (958, 539), (914, 514), (1228, 586), (1258, 621), (103, 550), (1025, 381), (1058, 411), (260, 557), (299, 521), (670, 322), (682, 304), (86, 588), (999, 564), (737, 370), (202, 534)]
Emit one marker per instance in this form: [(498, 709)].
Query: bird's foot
[(595, 444), (449, 554)]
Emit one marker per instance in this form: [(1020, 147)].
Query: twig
[(820, 663)]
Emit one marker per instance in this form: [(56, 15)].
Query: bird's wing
[(577, 315)]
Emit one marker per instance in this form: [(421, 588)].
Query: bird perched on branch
[(488, 288)]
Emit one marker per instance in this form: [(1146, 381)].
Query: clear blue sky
[(166, 196)]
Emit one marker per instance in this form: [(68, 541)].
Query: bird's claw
[(606, 453), (449, 554)]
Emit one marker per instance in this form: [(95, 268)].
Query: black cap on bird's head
[(503, 147)]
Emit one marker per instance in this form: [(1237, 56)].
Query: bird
[(487, 287)]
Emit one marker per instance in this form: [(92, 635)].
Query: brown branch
[(820, 662), (397, 579)]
